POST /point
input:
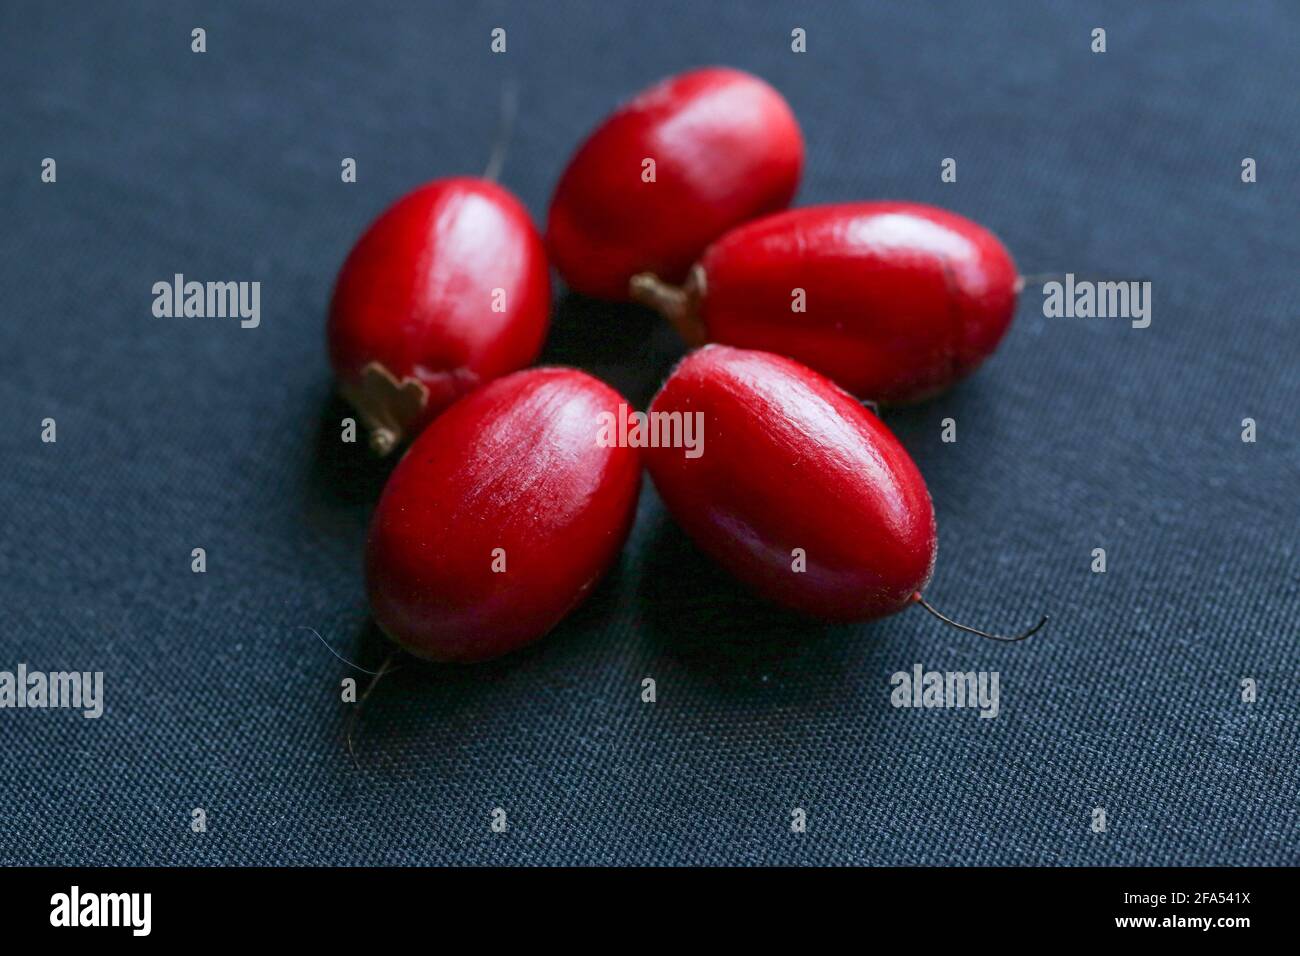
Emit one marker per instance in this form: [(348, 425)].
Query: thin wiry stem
[(384, 668), (303, 627), (971, 630), (505, 126)]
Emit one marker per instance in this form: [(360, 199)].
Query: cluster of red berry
[(507, 510)]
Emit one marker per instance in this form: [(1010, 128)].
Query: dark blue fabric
[(1078, 434)]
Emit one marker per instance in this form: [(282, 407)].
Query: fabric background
[(1078, 434)]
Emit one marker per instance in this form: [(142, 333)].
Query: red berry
[(790, 461), (501, 517), (900, 300), (725, 147), (447, 289)]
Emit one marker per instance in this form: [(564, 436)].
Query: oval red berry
[(894, 301), (447, 289), (669, 172), (799, 491), (501, 517)]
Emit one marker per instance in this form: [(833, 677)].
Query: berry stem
[(497, 158), (677, 304), (1037, 279), (970, 630), (385, 668), (387, 407), (383, 440)]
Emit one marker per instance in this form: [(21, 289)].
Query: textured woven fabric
[(1079, 434)]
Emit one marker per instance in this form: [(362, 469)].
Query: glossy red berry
[(894, 301), (447, 289), (501, 517), (794, 472), (722, 147)]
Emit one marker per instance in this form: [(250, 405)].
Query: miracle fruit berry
[(793, 465), (893, 301), (669, 172), (447, 289), (501, 517), (791, 461)]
